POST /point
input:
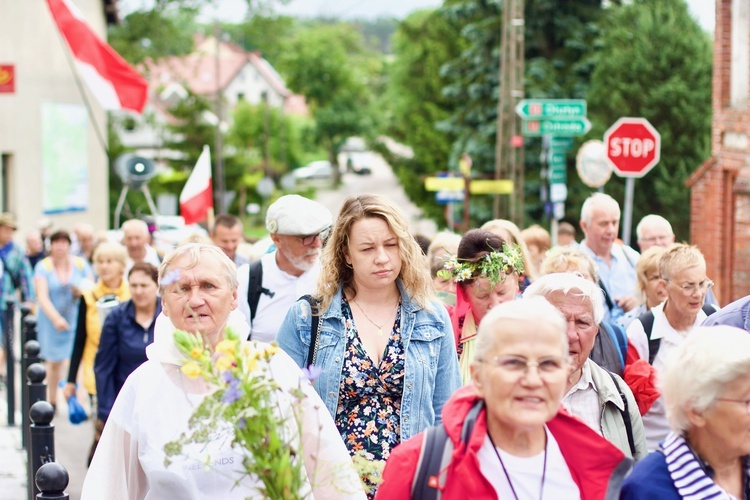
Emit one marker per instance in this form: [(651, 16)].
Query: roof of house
[(197, 70)]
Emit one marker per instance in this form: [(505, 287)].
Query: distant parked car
[(357, 167), (320, 169)]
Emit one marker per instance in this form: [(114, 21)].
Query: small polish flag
[(197, 196), (113, 81)]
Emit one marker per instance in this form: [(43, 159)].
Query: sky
[(233, 10)]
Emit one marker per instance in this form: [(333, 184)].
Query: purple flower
[(232, 393), (227, 376), (311, 373), (170, 277), (241, 423)]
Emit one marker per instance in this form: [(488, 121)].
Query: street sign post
[(633, 149), (551, 108)]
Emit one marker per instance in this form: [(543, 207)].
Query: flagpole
[(85, 98)]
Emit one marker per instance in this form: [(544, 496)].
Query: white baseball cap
[(296, 215)]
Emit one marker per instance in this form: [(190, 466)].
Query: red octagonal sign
[(633, 147)]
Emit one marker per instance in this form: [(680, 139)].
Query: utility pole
[(219, 139), (509, 145)]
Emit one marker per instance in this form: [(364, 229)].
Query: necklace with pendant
[(379, 327)]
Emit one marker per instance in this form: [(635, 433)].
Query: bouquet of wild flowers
[(246, 397)]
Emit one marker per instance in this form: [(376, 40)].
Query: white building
[(52, 160)]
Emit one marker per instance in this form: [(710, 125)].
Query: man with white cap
[(269, 286)]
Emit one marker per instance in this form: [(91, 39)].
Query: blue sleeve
[(448, 378), (650, 479), (106, 363), (27, 281), (289, 339)]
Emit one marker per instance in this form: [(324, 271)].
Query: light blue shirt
[(431, 369), (619, 278)]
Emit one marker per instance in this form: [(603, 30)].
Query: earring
[(348, 265)]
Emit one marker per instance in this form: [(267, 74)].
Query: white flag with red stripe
[(197, 196), (113, 81)]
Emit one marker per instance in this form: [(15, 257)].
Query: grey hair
[(696, 374), (569, 284), (652, 220), (535, 309), (193, 252), (596, 200)]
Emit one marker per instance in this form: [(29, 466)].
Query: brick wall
[(720, 188)]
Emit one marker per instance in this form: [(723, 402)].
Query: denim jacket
[(431, 368)]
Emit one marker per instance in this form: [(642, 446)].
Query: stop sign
[(633, 146)]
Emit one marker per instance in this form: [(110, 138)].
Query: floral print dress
[(369, 410)]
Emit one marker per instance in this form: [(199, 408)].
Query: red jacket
[(595, 464)]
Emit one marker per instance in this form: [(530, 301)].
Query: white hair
[(568, 284), (193, 253), (135, 225), (535, 309), (594, 201), (695, 375), (652, 221)]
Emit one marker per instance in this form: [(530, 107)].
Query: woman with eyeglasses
[(706, 454), (383, 344), (507, 436), (657, 333)]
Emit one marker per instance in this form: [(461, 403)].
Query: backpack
[(435, 456), (647, 320), (619, 338)]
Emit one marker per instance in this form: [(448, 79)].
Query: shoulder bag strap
[(254, 287), (312, 353), (647, 320), (625, 414)]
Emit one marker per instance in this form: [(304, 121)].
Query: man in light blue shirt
[(615, 262)]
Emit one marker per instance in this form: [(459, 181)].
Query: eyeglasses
[(745, 402), (519, 366), (691, 288), (310, 239)]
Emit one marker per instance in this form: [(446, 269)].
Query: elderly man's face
[(522, 399), (655, 235), (134, 240), (601, 230), (200, 299), (302, 257), (582, 329)]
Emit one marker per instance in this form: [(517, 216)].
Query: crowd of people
[(493, 364)]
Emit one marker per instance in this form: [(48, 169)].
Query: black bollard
[(25, 312), (42, 440), (51, 481), (28, 328), (10, 362), (30, 357)]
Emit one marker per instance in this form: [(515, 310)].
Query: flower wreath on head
[(494, 266)]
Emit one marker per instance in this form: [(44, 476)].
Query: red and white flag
[(113, 81), (197, 196)]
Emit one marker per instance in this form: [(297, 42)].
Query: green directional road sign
[(556, 126), (564, 143), (551, 108), (557, 175), (556, 157)]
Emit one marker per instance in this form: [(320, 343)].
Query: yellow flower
[(224, 363), (271, 350), (226, 347), (252, 364), (191, 369), (196, 352)]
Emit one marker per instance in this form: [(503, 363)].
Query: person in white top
[(298, 228), (598, 397), (156, 402), (682, 271), (135, 237)]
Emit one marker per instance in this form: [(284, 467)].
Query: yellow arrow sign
[(490, 186), (444, 183)]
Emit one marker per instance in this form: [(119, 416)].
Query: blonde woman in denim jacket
[(386, 352)]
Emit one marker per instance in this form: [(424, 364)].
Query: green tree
[(330, 67), (422, 44), (267, 34), (656, 62)]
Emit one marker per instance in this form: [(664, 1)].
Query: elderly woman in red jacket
[(507, 436)]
